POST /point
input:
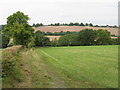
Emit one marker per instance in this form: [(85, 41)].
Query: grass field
[(83, 66), (71, 67)]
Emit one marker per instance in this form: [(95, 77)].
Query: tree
[(57, 24), (87, 37), (54, 42), (103, 37), (96, 26), (91, 24), (81, 24), (86, 24), (69, 40), (40, 39), (76, 24), (114, 41), (17, 27), (33, 25), (71, 24)]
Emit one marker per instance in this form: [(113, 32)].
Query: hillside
[(73, 29)]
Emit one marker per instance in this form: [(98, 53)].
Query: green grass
[(83, 66)]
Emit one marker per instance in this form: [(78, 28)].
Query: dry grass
[(10, 52), (12, 49), (73, 29)]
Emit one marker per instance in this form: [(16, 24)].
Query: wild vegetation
[(11, 66)]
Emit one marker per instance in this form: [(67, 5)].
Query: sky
[(101, 12)]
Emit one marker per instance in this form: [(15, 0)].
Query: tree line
[(72, 24), (86, 37), (17, 31)]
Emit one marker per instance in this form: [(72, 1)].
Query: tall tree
[(87, 37), (103, 37), (17, 27)]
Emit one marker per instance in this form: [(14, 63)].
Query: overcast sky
[(101, 12)]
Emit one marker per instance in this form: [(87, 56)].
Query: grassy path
[(38, 74)]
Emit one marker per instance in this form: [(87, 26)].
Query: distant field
[(83, 66), (53, 37), (73, 29)]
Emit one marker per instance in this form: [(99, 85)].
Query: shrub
[(69, 40), (103, 37), (11, 61), (5, 40), (40, 39)]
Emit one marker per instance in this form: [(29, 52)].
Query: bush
[(8, 66), (103, 37), (5, 40), (69, 40), (11, 63), (54, 43), (40, 39)]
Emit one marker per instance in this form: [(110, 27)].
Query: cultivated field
[(73, 29), (73, 67)]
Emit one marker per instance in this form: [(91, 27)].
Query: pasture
[(81, 66)]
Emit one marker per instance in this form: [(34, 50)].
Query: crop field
[(73, 29), (75, 67)]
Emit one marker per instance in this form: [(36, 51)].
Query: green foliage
[(103, 37), (86, 24), (87, 37), (5, 40), (69, 40), (91, 24), (31, 42), (82, 24), (8, 67), (115, 41), (10, 64), (17, 17), (18, 28), (40, 39), (71, 24), (22, 34), (54, 43), (58, 33)]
